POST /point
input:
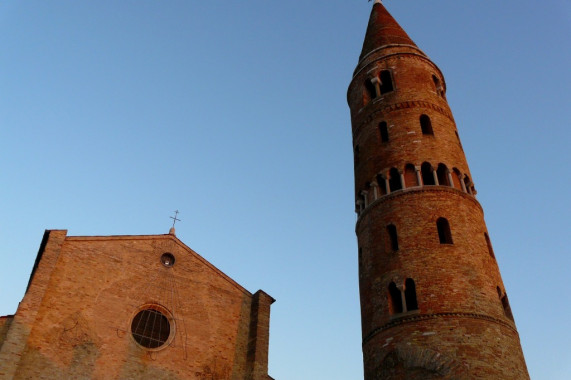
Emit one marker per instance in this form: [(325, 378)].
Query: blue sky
[(115, 113)]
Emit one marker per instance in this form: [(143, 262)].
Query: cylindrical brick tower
[(433, 305)]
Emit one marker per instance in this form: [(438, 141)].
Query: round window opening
[(167, 259), (151, 328)]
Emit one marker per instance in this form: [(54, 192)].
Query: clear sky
[(113, 114)]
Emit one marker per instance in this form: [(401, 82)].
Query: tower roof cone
[(383, 30)]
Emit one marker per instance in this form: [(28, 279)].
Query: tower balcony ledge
[(411, 317)]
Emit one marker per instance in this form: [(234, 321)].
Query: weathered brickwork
[(5, 323), (433, 304), (75, 319)]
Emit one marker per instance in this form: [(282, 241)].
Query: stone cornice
[(424, 317)]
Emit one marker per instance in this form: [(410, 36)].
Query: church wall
[(83, 325), (5, 323), (14, 345)]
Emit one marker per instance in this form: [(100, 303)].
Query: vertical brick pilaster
[(259, 336), (25, 316)]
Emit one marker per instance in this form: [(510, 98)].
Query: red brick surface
[(74, 321), (460, 329)]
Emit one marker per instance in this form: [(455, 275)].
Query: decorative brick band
[(401, 106), (424, 317), (420, 56), (416, 189)]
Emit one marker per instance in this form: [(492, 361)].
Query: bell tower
[(433, 305)]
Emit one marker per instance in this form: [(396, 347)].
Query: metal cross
[(174, 219)]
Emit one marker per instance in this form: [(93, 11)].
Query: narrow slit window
[(393, 237), (410, 295), (507, 307), (489, 244), (356, 154), (426, 125), (505, 304), (384, 131), (444, 234), (386, 82)]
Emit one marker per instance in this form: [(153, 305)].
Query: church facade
[(433, 304), (144, 307)]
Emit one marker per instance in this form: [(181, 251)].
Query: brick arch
[(393, 179)]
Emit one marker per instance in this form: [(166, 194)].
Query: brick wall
[(81, 322)]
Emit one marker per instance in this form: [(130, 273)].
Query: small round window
[(167, 259), (151, 328)]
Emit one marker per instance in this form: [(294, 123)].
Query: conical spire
[(383, 30)]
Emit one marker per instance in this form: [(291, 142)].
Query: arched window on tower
[(427, 176), (370, 90), (456, 178), (442, 174), (394, 180), (444, 234), (382, 185), (410, 295), (410, 178), (505, 304), (489, 244), (438, 86), (393, 237), (395, 299), (386, 82), (384, 131), (469, 185), (426, 125)]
